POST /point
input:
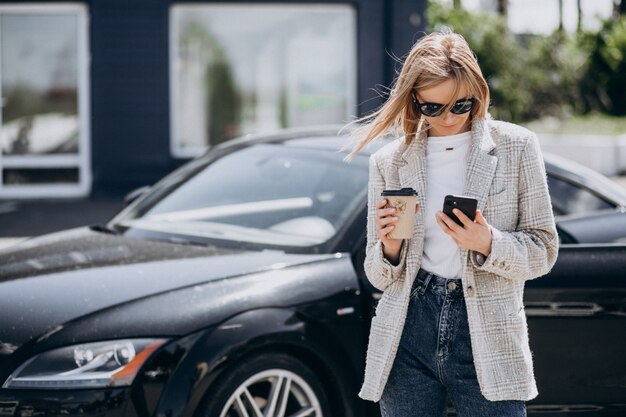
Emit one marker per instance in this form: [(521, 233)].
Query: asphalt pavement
[(20, 219)]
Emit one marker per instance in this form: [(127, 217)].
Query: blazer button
[(470, 291)]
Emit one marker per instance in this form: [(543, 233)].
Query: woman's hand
[(385, 223), (474, 235)]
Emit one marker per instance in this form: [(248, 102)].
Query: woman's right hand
[(385, 223)]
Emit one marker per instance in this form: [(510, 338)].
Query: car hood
[(51, 280)]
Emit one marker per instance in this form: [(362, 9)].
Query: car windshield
[(266, 193)]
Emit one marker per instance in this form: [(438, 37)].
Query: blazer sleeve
[(531, 250), (379, 271)]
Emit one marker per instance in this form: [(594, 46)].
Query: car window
[(263, 193), (568, 198)]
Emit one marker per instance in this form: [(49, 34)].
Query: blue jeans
[(434, 358)]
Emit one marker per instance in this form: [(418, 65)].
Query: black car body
[(165, 311)]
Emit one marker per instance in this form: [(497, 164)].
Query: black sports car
[(235, 287)]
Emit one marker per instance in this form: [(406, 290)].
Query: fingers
[(480, 219), (384, 218), (383, 212), (464, 219), (382, 233), (475, 235), (443, 225), (447, 224), (387, 220)]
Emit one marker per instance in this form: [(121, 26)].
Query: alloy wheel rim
[(273, 393)]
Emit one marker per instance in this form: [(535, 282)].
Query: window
[(43, 123), (285, 195), (568, 198), (238, 69)]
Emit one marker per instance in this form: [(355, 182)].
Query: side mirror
[(135, 194)]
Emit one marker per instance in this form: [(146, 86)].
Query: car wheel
[(267, 385)]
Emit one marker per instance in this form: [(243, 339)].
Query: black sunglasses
[(435, 109)]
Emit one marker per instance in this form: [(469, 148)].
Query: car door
[(577, 328)]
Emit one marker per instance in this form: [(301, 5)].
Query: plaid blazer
[(506, 174)]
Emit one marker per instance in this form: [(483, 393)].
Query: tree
[(619, 9), (503, 8), (605, 79), (527, 79)]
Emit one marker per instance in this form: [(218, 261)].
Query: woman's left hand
[(475, 235)]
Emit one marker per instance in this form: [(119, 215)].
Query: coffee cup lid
[(407, 191)]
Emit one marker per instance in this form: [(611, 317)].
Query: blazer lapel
[(412, 173), (481, 165)]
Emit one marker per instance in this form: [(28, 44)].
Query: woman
[(450, 321)]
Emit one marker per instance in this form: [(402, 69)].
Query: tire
[(254, 381)]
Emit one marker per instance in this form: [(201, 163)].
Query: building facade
[(103, 96)]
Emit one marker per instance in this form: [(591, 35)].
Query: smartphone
[(466, 204)]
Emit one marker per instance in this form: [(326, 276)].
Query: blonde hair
[(435, 58)]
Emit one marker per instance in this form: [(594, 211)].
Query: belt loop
[(423, 285)]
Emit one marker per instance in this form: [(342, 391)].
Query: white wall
[(605, 154)]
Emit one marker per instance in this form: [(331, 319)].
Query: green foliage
[(528, 77), (556, 65), (604, 83), (497, 52)]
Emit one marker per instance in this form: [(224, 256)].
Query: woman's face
[(447, 123)]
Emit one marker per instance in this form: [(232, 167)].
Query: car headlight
[(91, 365)]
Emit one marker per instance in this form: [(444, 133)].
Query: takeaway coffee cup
[(404, 201)]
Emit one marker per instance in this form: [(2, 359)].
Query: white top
[(445, 174)]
